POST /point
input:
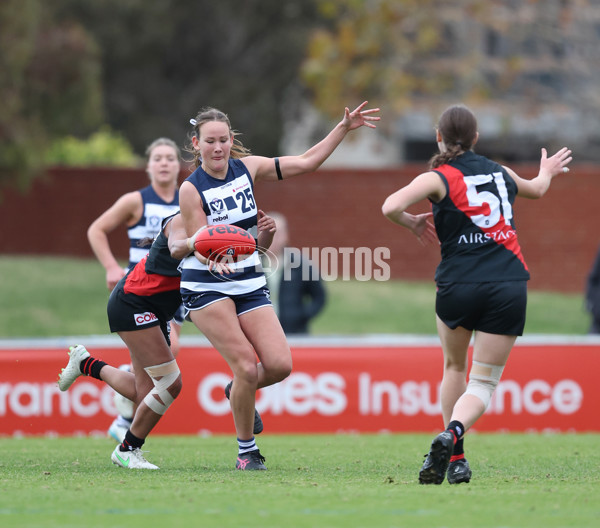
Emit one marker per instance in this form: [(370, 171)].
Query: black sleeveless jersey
[(157, 272), (474, 223), (159, 259)]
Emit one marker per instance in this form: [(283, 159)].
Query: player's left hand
[(359, 117), (265, 223), (556, 164)]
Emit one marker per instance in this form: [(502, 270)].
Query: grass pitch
[(58, 296), (312, 481)]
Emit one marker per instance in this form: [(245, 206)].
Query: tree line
[(143, 69)]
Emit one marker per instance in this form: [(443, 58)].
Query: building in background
[(529, 69)]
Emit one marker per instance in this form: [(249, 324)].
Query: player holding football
[(236, 314), (150, 289), (481, 279)]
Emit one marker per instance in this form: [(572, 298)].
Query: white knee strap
[(159, 399), (483, 380)]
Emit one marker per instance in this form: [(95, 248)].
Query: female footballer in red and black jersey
[(481, 279)]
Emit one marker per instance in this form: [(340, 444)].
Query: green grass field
[(312, 481), (45, 297)]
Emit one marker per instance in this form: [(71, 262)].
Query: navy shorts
[(492, 307), (128, 312), (245, 302), (180, 314)]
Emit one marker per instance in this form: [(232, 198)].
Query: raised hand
[(557, 163), (359, 117)]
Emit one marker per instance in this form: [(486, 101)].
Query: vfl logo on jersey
[(144, 318), (218, 212), (217, 205), (153, 222)]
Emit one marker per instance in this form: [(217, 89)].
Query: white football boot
[(131, 459), (71, 372)]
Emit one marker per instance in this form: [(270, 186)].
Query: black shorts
[(128, 312), (492, 307)]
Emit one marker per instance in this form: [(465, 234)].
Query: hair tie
[(193, 122)]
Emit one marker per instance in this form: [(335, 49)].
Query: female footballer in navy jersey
[(481, 279), (140, 308), (233, 309)]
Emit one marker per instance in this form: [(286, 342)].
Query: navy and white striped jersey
[(155, 210), (228, 201), (475, 225)]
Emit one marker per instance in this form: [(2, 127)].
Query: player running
[(481, 279)]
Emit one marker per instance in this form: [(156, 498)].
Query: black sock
[(91, 367), (131, 442), (457, 428), (459, 448)]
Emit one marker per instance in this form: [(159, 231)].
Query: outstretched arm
[(264, 168), (549, 168)]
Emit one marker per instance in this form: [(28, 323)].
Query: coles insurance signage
[(331, 389)]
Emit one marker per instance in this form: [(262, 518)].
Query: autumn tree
[(530, 66)]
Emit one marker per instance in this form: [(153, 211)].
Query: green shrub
[(105, 147)]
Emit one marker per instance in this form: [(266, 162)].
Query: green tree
[(164, 61), (50, 85)]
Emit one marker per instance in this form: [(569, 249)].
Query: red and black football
[(225, 242)]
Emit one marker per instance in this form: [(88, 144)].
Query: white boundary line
[(333, 341)]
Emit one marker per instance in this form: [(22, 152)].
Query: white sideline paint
[(381, 340)]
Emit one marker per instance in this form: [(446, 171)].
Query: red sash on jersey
[(458, 195), (145, 284)]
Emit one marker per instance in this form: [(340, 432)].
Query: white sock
[(245, 446)]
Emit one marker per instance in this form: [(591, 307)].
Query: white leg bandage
[(483, 380), (163, 376)]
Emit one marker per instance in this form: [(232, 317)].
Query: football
[(225, 242)]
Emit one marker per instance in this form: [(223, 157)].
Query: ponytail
[(458, 128)]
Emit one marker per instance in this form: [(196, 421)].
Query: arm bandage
[(483, 380), (163, 376)]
